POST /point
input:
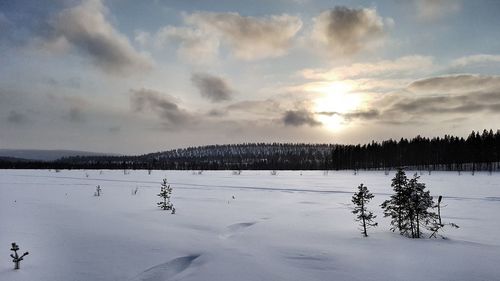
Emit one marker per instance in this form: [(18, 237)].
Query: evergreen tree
[(395, 206), (419, 208), (165, 194), (410, 207), (365, 217)]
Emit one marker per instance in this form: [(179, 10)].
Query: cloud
[(266, 108), (16, 117), (349, 116), (299, 118), (345, 31), (437, 96), (247, 38), (211, 87), (407, 65), (163, 105), (75, 115), (461, 104), (4, 22), (250, 37), (435, 9), (475, 59), (85, 27), (455, 83), (195, 45)]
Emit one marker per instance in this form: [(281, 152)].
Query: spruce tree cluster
[(165, 194), (365, 217), (410, 207)]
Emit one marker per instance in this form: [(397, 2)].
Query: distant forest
[(479, 151)]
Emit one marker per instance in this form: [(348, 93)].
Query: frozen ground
[(283, 227)]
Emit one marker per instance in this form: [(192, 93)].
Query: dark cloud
[(164, 105), (217, 113), (114, 129), (16, 117), (299, 118), (211, 87), (85, 27), (75, 114), (346, 31)]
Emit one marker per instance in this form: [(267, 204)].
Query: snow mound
[(168, 270), (235, 228)]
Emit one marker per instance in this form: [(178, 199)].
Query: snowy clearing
[(278, 227)]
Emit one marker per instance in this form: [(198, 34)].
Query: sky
[(133, 77)]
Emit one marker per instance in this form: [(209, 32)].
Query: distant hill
[(479, 151), (45, 155), (13, 159)]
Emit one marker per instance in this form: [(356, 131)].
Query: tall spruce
[(420, 207), (395, 206), (365, 217)]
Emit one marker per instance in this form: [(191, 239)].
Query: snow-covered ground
[(283, 227)]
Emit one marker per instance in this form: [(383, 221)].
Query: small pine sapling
[(98, 191), (365, 217), (16, 259), (165, 194)]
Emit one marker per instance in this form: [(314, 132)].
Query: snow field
[(283, 227)]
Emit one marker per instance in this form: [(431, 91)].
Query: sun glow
[(335, 99)]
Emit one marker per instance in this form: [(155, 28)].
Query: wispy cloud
[(436, 9), (248, 38)]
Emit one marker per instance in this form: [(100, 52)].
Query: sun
[(335, 98)]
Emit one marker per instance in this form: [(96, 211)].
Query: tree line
[(478, 151)]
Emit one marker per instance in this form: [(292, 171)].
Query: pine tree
[(410, 207), (166, 193), (395, 206), (419, 208), (365, 217)]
